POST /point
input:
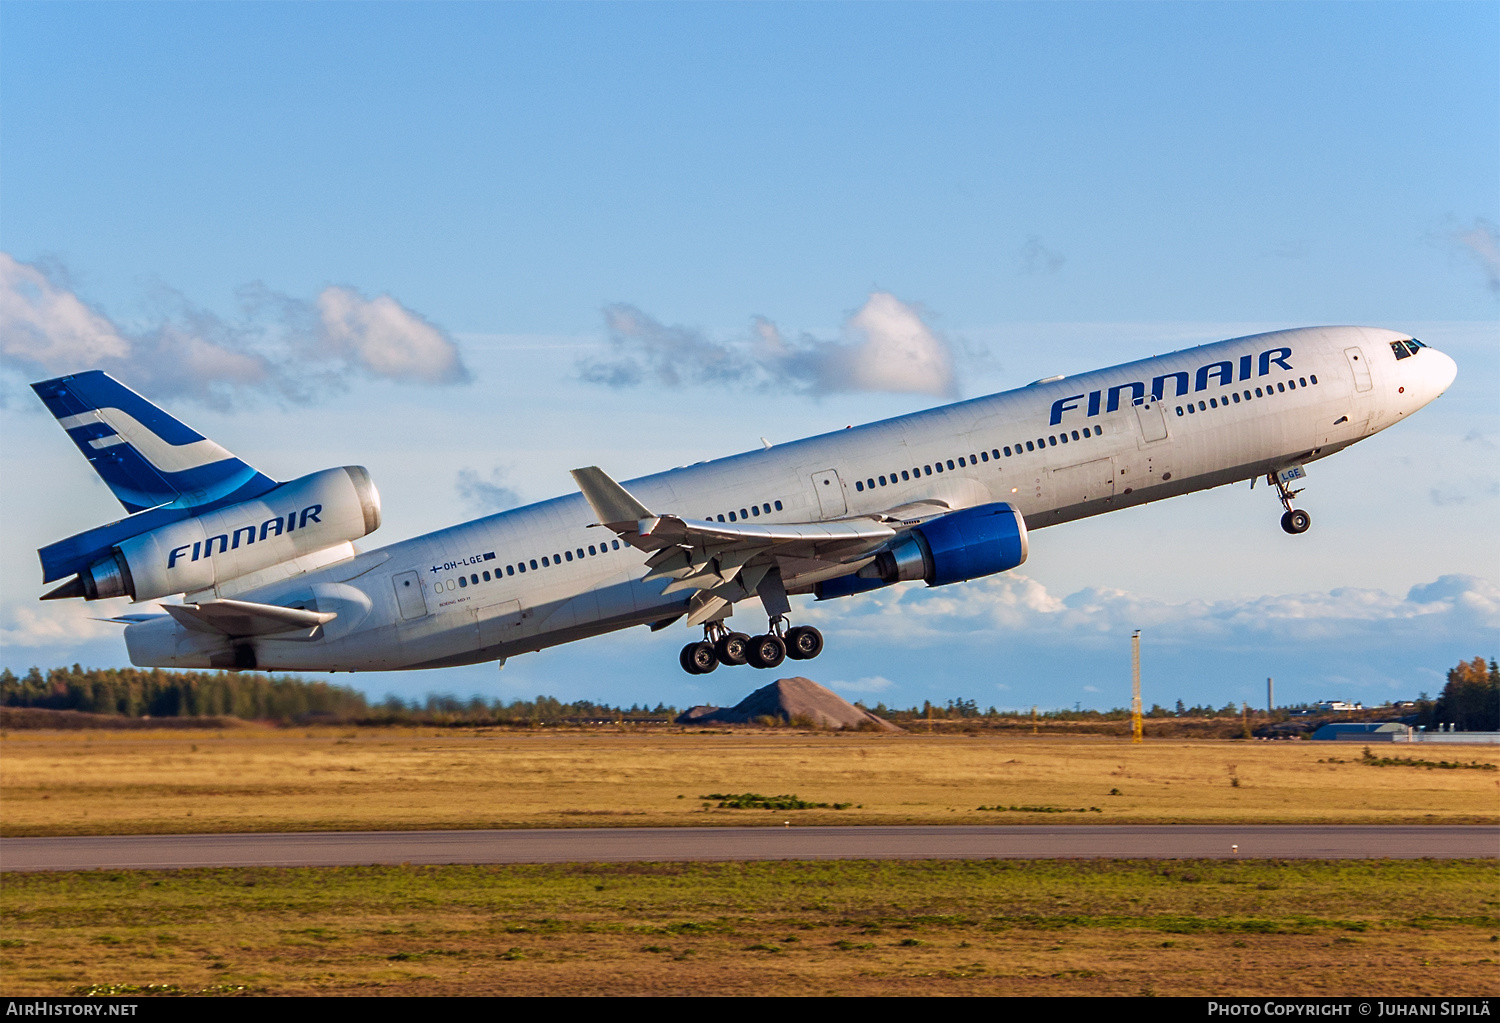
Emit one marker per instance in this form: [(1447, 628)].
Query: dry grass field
[(859, 928), (256, 778)]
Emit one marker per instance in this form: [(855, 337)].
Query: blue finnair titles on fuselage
[(1057, 450)]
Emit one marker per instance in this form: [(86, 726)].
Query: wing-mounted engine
[(203, 552), (952, 548)]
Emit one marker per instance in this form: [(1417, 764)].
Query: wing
[(727, 562)]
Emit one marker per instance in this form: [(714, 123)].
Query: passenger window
[(755, 510), (1247, 395), (1052, 441), (859, 485), (939, 466), (972, 459), (1191, 410), (1086, 431), (1063, 437), (742, 514), (580, 554), (1212, 403), (1313, 379), (1302, 381), (950, 463), (984, 456), (905, 475), (1281, 388), (569, 554), (927, 469), (882, 481), (1202, 407), (1030, 446), (1075, 434), (1007, 451), (1292, 384), (474, 579), (1258, 394), (615, 544), (462, 582), (591, 550), (732, 518), (546, 563), (961, 462), (486, 577), (778, 508), (870, 483), (533, 563), (511, 569), (1179, 410), (721, 518)]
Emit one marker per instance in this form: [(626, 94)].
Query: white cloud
[(1482, 241), (885, 345), (486, 495), (1009, 607), (63, 623), (387, 339), (47, 324), (869, 684), (282, 344), (1036, 258)]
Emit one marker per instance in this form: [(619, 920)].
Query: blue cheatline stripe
[(130, 476)]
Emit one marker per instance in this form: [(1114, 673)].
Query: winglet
[(610, 501)]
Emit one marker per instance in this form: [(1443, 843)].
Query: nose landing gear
[(720, 646), (1294, 520)]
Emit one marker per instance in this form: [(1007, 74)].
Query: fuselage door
[(1153, 420), (830, 490), (1362, 381), (409, 595)]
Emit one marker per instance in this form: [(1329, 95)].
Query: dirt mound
[(794, 701)]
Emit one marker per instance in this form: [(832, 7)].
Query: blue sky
[(1050, 187)]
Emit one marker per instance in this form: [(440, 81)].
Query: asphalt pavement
[(617, 845)]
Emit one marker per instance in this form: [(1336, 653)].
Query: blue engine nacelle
[(964, 545)]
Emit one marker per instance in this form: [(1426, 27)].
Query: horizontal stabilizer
[(610, 501), (243, 618)]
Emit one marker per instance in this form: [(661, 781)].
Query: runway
[(617, 845)]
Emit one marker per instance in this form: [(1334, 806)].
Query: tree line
[(153, 692)]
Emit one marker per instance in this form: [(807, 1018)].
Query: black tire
[(1296, 521), (803, 643), (730, 649), (698, 658), (766, 651)]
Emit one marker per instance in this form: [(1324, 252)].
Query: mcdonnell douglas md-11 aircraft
[(270, 577)]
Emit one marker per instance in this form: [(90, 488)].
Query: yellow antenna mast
[(1135, 686)]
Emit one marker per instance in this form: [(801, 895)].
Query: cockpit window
[(1413, 345), (1399, 347)]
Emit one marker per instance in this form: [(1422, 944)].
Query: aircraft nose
[(1444, 371)]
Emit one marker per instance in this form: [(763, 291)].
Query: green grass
[(854, 927)]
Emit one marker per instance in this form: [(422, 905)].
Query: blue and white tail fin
[(147, 458)]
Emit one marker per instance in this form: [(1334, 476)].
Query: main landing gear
[(720, 646), (1295, 520)]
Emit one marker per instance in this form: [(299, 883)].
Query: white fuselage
[(415, 604)]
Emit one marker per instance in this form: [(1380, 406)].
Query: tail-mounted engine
[(298, 518)]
